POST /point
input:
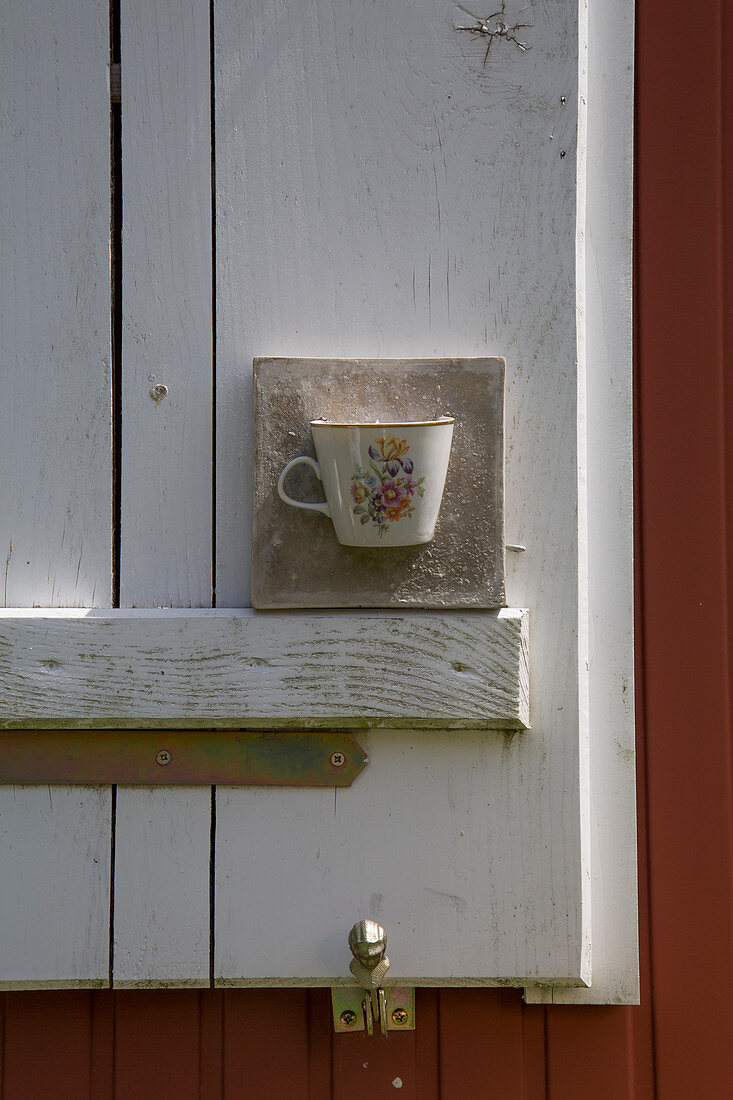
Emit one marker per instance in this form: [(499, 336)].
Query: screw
[(337, 759), (163, 757), (347, 1017), (399, 1017)]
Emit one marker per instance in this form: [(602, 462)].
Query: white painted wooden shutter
[(377, 191)]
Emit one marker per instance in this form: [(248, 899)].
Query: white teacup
[(383, 482)]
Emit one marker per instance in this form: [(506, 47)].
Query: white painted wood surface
[(608, 227), (55, 449), (380, 193), (195, 669), (166, 531), (161, 899), (161, 913), (54, 899), (436, 840), (55, 421)]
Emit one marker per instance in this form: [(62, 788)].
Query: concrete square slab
[(297, 559)]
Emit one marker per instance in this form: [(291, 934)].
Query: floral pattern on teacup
[(384, 493)]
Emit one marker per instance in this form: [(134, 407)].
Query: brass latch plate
[(348, 1013)]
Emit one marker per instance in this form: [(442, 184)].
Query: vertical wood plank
[(380, 193), (55, 413), (609, 396), (162, 866), (55, 445), (166, 527), (161, 915), (55, 874)]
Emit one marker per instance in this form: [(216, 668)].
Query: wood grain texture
[(379, 193), (234, 668), (437, 841), (609, 403), (55, 448), (166, 530), (55, 873), (161, 920), (161, 916), (362, 156), (55, 413), (692, 1055)]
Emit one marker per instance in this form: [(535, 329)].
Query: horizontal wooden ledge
[(553, 990), (232, 668)]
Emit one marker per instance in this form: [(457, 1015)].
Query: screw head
[(348, 1018), (163, 757), (399, 1017), (337, 759)]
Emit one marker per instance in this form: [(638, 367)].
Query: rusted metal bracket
[(181, 757)]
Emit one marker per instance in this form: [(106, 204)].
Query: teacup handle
[(306, 461)]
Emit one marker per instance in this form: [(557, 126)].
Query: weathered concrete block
[(297, 559)]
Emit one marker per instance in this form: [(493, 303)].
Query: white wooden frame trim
[(606, 81)]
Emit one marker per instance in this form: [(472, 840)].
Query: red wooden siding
[(486, 1043)]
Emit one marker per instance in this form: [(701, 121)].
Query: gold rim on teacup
[(383, 481)]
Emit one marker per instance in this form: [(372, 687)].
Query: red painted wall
[(485, 1043)]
